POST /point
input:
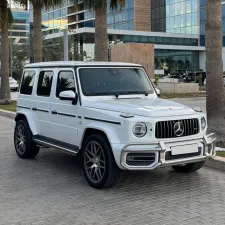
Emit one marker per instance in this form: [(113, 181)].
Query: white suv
[(111, 114)]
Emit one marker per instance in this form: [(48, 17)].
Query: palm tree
[(38, 5), (214, 69), (6, 19), (101, 37)]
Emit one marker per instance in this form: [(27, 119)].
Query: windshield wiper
[(103, 94), (135, 92), (117, 94)]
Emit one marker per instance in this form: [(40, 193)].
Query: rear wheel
[(23, 140), (99, 165), (188, 168)]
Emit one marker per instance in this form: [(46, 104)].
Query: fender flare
[(30, 120), (110, 133)]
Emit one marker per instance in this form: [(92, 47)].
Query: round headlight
[(203, 123), (139, 130)]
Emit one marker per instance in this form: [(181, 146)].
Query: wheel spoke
[(101, 161), (17, 135), (101, 167), (94, 148), (90, 152), (92, 171), (97, 174), (88, 156), (88, 167), (23, 146), (100, 173)]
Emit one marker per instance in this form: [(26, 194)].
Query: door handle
[(54, 112), (34, 109)]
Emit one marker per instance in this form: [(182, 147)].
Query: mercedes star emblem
[(178, 129)]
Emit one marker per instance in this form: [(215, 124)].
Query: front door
[(64, 114)]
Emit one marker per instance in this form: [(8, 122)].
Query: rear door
[(63, 112), (42, 101)]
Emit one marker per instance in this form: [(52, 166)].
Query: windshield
[(114, 81)]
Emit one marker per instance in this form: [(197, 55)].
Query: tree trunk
[(5, 97), (214, 70), (37, 33), (101, 37)]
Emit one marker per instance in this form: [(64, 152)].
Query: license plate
[(184, 149)]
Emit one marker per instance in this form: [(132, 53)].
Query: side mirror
[(69, 96)]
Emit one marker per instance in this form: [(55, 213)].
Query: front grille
[(140, 159), (169, 156), (165, 129)]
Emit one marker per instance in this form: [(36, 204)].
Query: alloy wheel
[(20, 139), (94, 162)]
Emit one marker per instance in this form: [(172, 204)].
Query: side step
[(52, 143)]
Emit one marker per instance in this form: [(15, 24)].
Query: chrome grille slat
[(171, 128), (188, 131), (165, 129)]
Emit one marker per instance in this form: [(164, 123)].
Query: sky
[(14, 5)]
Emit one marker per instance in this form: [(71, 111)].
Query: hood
[(142, 107)]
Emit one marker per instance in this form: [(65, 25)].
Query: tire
[(99, 165), (23, 141), (189, 168)]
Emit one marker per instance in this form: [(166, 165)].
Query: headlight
[(203, 123), (139, 130)]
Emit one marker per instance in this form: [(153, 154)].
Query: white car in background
[(13, 84)]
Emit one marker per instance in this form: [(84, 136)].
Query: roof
[(78, 63)]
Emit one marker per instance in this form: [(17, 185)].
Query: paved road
[(51, 190), (193, 102)]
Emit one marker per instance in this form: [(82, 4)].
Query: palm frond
[(46, 3), (114, 4), (23, 3), (6, 16)]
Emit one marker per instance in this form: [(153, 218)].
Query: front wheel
[(188, 168), (99, 165)]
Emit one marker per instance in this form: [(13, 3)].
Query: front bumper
[(161, 148)]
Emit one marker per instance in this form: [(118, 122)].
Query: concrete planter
[(178, 87)]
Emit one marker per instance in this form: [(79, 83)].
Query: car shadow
[(165, 177)]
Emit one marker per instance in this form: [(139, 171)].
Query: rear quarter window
[(27, 82)]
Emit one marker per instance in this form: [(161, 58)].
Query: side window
[(45, 83), (27, 82), (65, 82)]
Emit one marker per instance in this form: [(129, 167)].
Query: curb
[(7, 114), (216, 163)]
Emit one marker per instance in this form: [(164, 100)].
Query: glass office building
[(203, 21), (21, 26), (176, 29)]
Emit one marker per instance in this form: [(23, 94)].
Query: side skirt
[(52, 143)]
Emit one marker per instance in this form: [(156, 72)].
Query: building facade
[(175, 27), (20, 28)]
